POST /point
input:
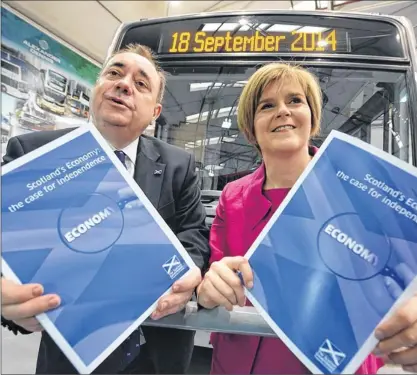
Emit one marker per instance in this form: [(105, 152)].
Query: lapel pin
[(157, 172)]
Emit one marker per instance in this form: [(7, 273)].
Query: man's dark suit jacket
[(176, 196)]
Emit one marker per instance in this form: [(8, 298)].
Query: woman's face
[(283, 118)]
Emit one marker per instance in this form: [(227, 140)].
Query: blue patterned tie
[(130, 348), (122, 157), (120, 359)]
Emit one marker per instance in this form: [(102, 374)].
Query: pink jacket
[(239, 214)]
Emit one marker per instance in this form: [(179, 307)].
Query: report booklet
[(339, 255), (75, 221)]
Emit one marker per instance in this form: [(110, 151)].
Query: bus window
[(10, 67), (200, 108), (369, 104)]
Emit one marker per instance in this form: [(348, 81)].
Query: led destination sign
[(295, 41)]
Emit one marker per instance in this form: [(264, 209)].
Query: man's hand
[(20, 303), (222, 286), (181, 293), (398, 334)]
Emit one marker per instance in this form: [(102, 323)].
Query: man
[(126, 99)]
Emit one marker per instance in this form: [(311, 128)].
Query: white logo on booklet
[(173, 267), (329, 355)]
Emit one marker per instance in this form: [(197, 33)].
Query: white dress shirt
[(131, 151)]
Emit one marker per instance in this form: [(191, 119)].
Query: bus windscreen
[(264, 34)]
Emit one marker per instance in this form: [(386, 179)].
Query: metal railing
[(242, 320)]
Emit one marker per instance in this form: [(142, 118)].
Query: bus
[(365, 63), (79, 92), (31, 118), (81, 95), (78, 100), (52, 91), (13, 80)]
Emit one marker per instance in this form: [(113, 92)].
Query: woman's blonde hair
[(252, 92)]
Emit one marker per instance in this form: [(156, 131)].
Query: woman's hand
[(222, 286)]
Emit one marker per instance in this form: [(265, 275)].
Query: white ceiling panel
[(128, 11), (262, 5), (185, 7)]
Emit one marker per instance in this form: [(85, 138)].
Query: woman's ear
[(312, 130)]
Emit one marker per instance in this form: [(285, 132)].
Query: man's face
[(124, 100)]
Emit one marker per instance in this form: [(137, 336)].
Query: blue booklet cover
[(339, 254), (75, 221)]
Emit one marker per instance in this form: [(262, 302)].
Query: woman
[(279, 111)]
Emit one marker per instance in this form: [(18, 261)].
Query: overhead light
[(263, 26), (246, 27), (204, 85), (283, 28), (245, 24), (213, 167), (175, 2), (228, 26), (230, 139), (227, 123), (211, 26), (224, 112), (200, 86), (312, 29), (197, 116)]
